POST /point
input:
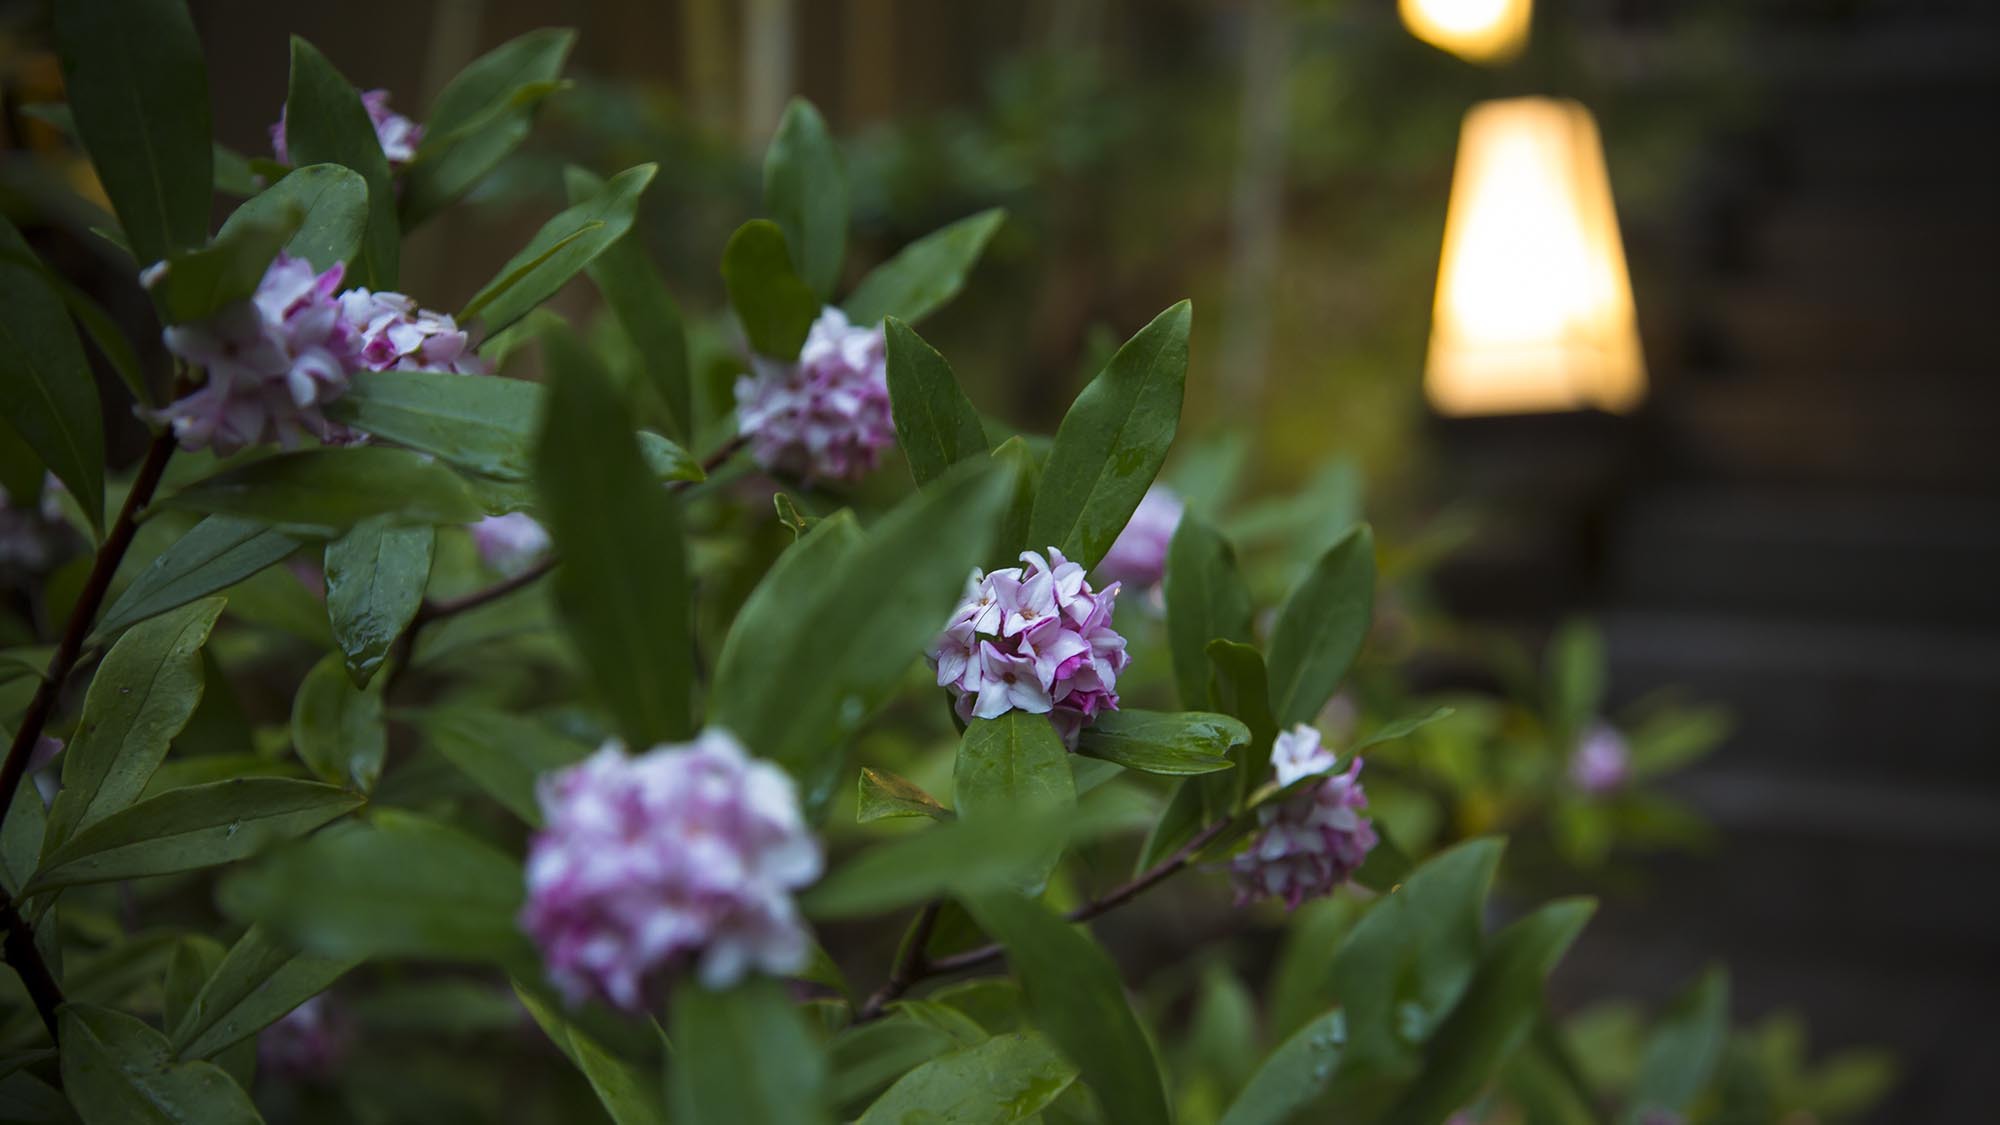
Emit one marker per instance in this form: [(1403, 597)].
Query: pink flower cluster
[(1138, 557), (1602, 761), (825, 416), (398, 336), (1033, 638), (1310, 841), (274, 360), (684, 855), (398, 135), (308, 1043), (511, 543)]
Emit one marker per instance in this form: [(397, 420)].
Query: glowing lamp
[(1476, 30), (1534, 307)]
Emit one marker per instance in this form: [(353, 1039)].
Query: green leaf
[(865, 1058), (332, 203), (337, 727), (1240, 686), (138, 91), (957, 857), (118, 1071), (139, 700), (1399, 728), (1079, 1002), (774, 306), (325, 123), (623, 588), (743, 1055), (1206, 601), (1403, 967), (1497, 1013), (1009, 765), (395, 886), (797, 679), (21, 838), (259, 980), (198, 284), (1173, 743), (486, 425), (1185, 815), (560, 250), (1112, 442), (502, 753), (805, 191), (1320, 628), (216, 553), (24, 1097), (1004, 1079), (936, 424), (189, 829), (375, 578), (884, 796), (323, 492), (631, 1098), (645, 311), (47, 393), (233, 173), (1012, 537), (1293, 1077), (926, 275), (1575, 677), (479, 117), (1684, 1051)]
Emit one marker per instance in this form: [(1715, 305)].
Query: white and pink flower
[(1033, 638), (825, 416), (397, 335), (1602, 762), (511, 543), (1311, 841), (687, 854), (1138, 557)]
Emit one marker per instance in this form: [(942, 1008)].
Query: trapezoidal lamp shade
[(1534, 307), (1481, 31)]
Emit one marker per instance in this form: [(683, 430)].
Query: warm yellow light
[(1534, 307), (1479, 30)]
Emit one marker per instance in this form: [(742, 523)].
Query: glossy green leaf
[(1402, 969), (884, 796), (1206, 601), (323, 492), (1240, 685), (1173, 743), (215, 554), (1079, 1002), (560, 250), (956, 857), (805, 192), (259, 980), (1004, 1079), (481, 115), (1295, 1075), (21, 838), (189, 829), (197, 284), (774, 306), (1112, 442), (1495, 1016), (646, 312), (837, 642), (141, 697), (866, 1057), (743, 1055), (1011, 764), (502, 753), (1320, 628), (138, 91), (47, 393), (337, 727), (628, 1096), (1012, 538), (118, 1071), (325, 123), (375, 578), (1685, 1049), (622, 591), (936, 425), (395, 886), (332, 204), (486, 425), (926, 274)]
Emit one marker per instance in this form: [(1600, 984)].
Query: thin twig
[(920, 967), (909, 968), (20, 937)]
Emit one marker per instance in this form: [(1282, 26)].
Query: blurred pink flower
[(825, 416), (1311, 841), (306, 1044), (511, 543), (1138, 557), (1602, 761)]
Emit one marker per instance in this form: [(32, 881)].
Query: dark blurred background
[(1800, 521)]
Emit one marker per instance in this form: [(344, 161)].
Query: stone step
[(1808, 553)]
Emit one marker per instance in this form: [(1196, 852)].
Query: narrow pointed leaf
[(337, 727), (1011, 764), (47, 393), (926, 274), (560, 250), (1206, 601), (743, 1055), (215, 554), (259, 980), (323, 492), (774, 306), (479, 118), (325, 123), (1320, 628), (198, 284), (1006, 1078), (118, 1071), (375, 578), (332, 204), (936, 425), (884, 796), (1172, 743), (1684, 1051), (1293, 1077), (805, 192), (502, 753), (646, 312), (486, 425), (629, 1096)]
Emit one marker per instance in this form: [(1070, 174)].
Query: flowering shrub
[(340, 901)]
